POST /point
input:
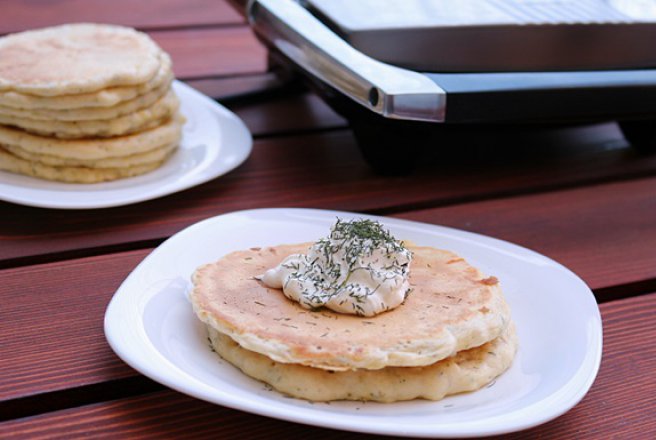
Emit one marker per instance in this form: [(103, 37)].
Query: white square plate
[(214, 141), (150, 325)]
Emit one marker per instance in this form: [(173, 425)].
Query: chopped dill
[(355, 250)]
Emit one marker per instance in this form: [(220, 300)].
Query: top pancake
[(76, 58), (106, 99), (452, 307)]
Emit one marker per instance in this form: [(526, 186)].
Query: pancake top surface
[(106, 98), (452, 307), (76, 58)]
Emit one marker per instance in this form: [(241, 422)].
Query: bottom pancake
[(157, 154), (468, 370), (15, 164)]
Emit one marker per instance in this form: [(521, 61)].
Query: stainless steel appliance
[(404, 71)]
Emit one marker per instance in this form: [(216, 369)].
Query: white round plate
[(150, 325), (214, 141)]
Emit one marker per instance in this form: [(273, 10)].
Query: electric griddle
[(403, 71)]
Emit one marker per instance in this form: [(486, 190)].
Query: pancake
[(452, 307), (106, 97), (91, 113), (14, 164), (86, 103), (136, 121), (468, 370), (155, 155), (94, 149), (76, 58)]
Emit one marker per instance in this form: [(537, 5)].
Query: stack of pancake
[(85, 103), (452, 334)]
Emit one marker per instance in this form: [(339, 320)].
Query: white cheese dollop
[(359, 269)]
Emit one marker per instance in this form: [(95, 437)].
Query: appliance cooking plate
[(497, 35)]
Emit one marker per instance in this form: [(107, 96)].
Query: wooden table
[(578, 195)]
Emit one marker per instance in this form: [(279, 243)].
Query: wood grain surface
[(578, 237), (212, 52), (261, 85), (52, 334), (322, 171), (197, 52), (577, 194), (572, 227), (617, 406), (20, 15)]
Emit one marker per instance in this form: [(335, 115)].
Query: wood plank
[(22, 15), (203, 53), (59, 290), (269, 108), (206, 52), (322, 171), (52, 331), (604, 233), (619, 405), (295, 114), (232, 88)]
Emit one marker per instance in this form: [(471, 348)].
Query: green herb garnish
[(352, 246)]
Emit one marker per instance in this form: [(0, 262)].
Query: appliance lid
[(497, 35), (300, 38), (388, 90)]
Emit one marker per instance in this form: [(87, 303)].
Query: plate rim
[(222, 114), (345, 422)]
